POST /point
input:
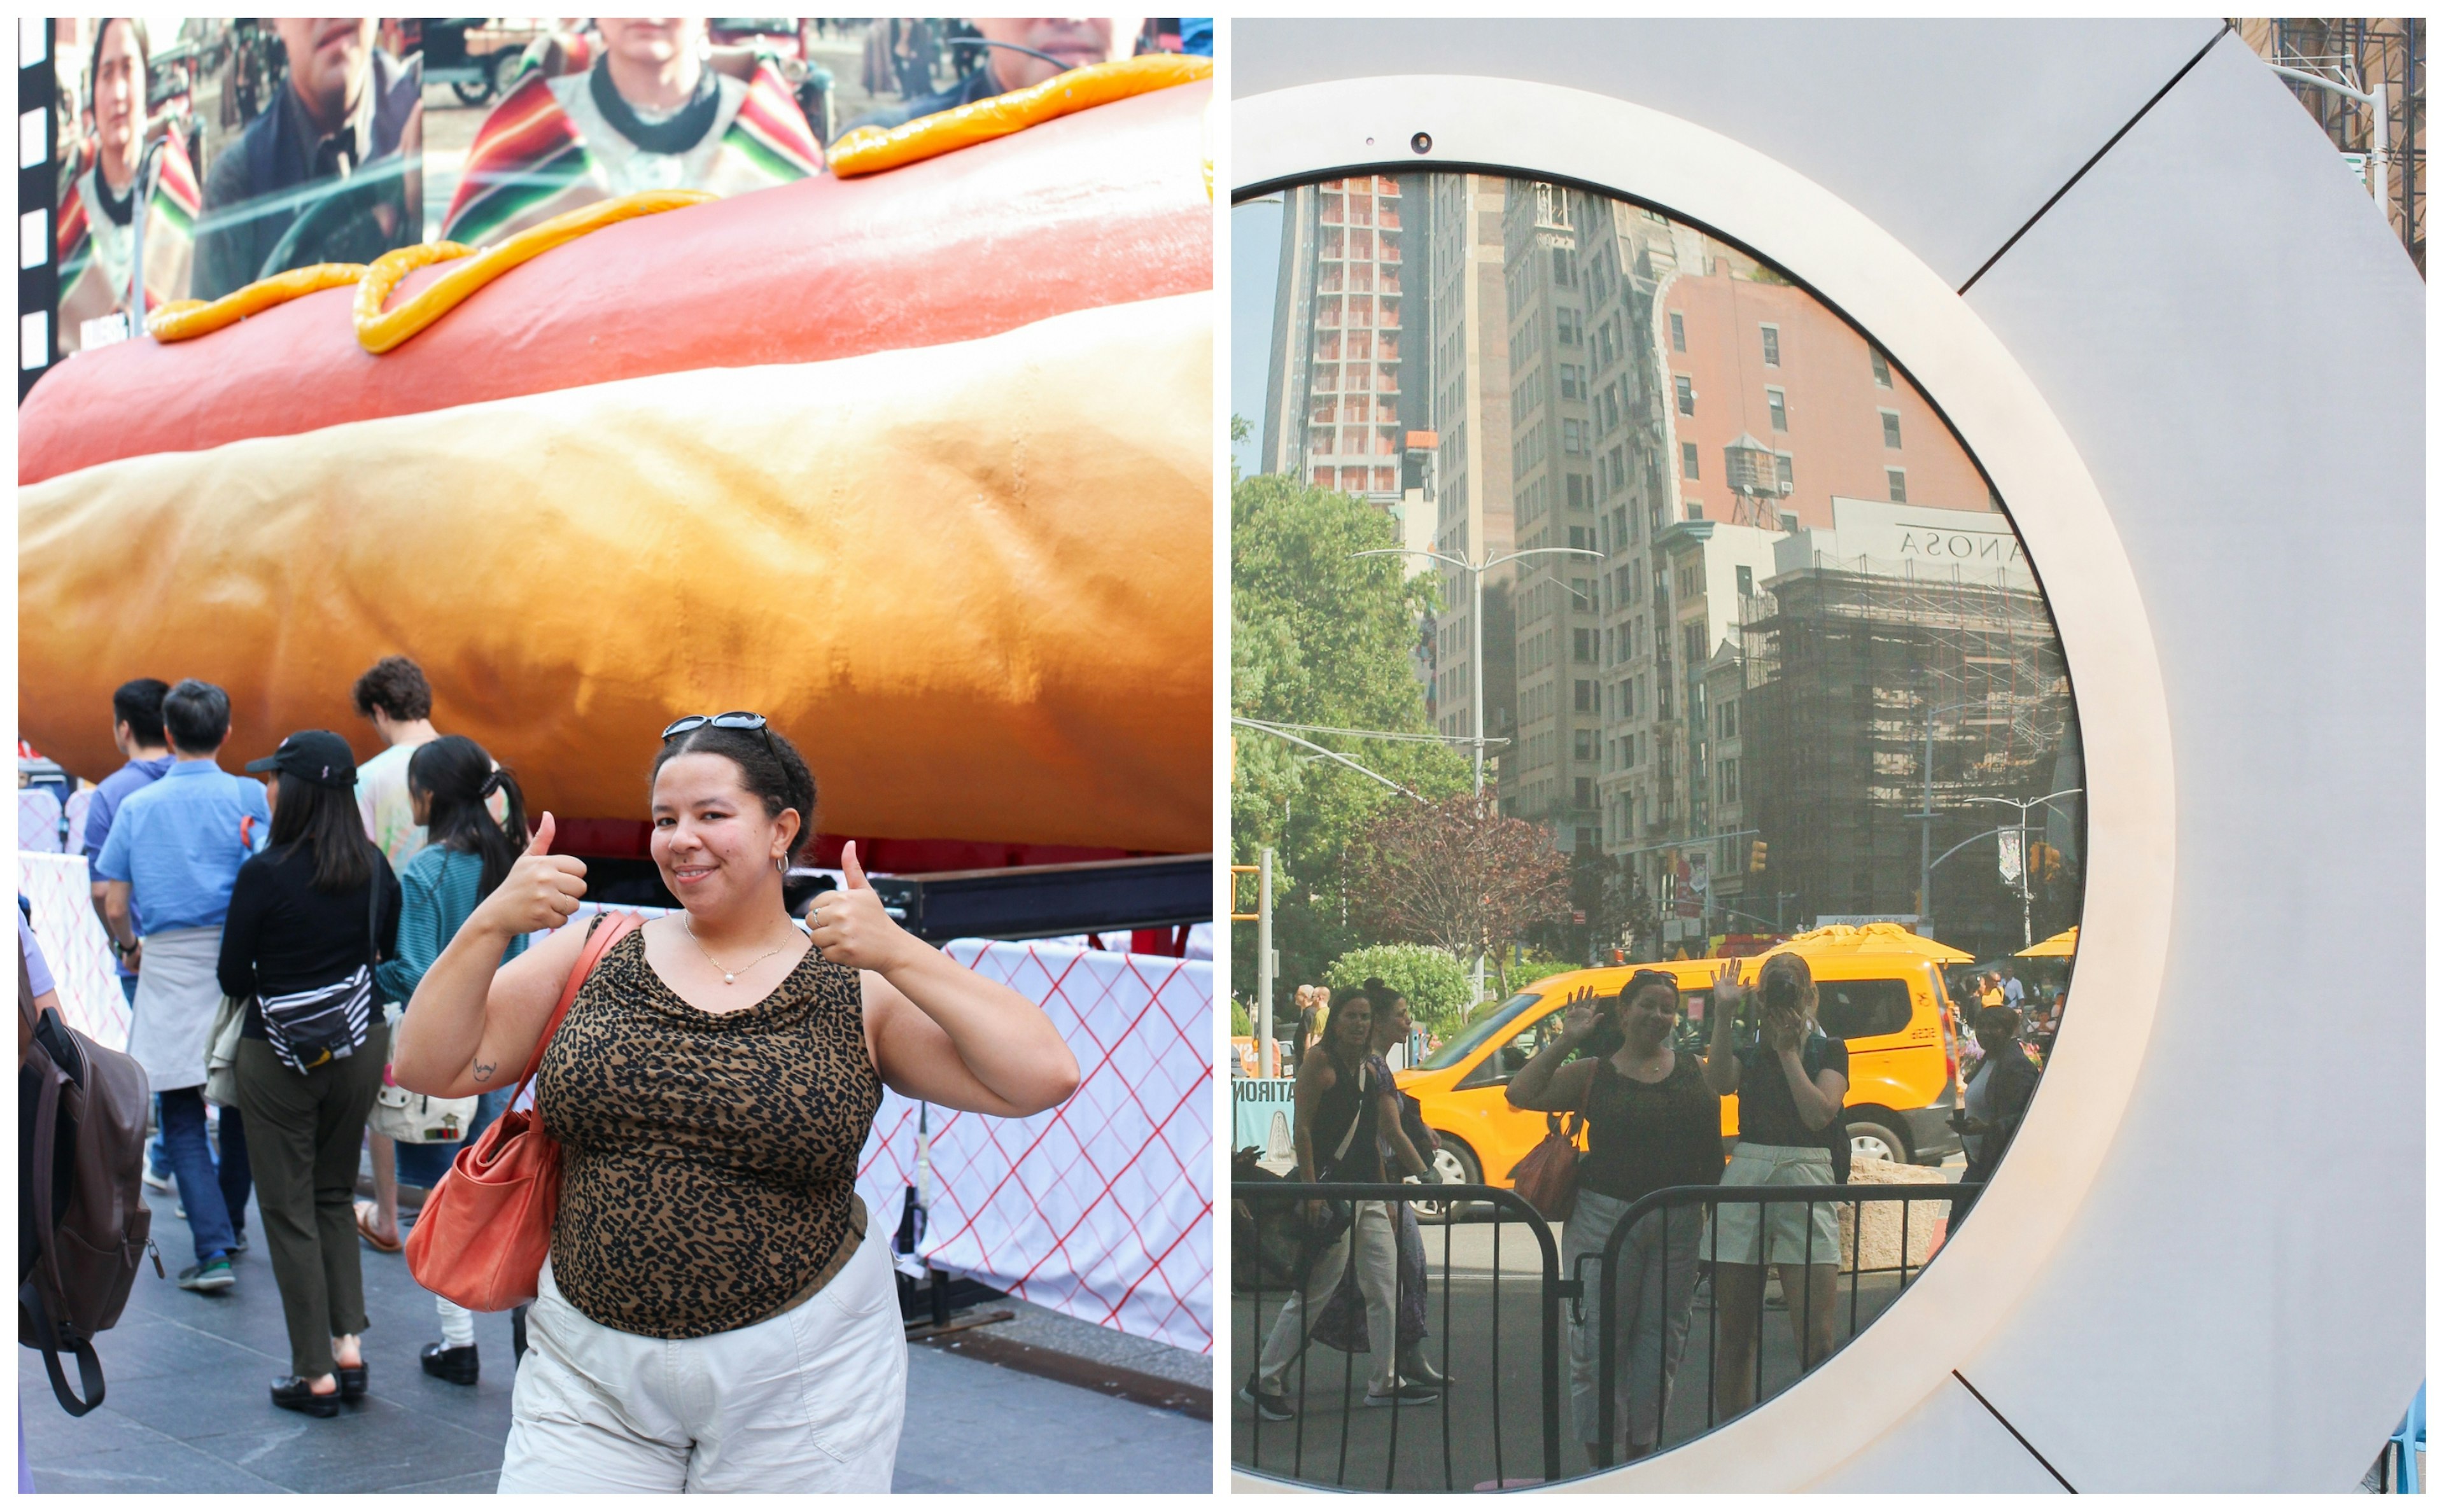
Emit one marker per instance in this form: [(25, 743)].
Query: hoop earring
[(781, 864)]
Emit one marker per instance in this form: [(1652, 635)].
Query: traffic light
[(2044, 862), (1756, 855)]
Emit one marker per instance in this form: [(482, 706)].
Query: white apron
[(177, 991)]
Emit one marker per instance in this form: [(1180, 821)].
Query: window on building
[(1582, 695), (1685, 393), (1562, 274), (1583, 791), (1782, 470), (1582, 590), (1747, 579), (1689, 460), (1680, 334), (1571, 386), (1775, 410), (1891, 428), (1897, 484), (1772, 344), (1791, 525), (1570, 326), (1582, 644), (1692, 641), (1696, 511), (1582, 745), (1727, 780), (1882, 369)]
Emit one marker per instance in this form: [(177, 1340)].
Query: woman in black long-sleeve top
[(307, 920)]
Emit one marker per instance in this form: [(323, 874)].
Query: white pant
[(808, 1401), (1377, 1238)]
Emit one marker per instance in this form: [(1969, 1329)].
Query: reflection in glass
[(1788, 673), (1773, 521)]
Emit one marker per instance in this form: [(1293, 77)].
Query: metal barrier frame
[(1553, 1289), (1709, 1197)]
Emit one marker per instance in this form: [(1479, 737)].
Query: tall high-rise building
[(1336, 409), (1468, 353)]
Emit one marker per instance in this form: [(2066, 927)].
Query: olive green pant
[(306, 1184)]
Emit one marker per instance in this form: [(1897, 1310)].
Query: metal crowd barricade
[(1709, 1198), (1280, 1202)]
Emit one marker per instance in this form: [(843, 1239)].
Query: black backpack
[(81, 1224)]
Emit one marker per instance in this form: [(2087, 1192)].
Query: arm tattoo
[(483, 1069)]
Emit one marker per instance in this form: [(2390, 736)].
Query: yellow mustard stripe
[(184, 320), (380, 330), (871, 150)]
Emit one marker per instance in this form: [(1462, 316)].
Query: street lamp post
[(2027, 891), (1477, 571), (1925, 816)]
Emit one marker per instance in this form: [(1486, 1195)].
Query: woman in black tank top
[(1652, 1124)]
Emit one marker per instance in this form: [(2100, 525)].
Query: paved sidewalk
[(188, 1406)]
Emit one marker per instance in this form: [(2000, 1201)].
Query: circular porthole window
[(1713, 596)]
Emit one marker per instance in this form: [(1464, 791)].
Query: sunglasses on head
[(1641, 981), (735, 719)]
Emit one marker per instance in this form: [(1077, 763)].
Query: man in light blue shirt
[(173, 855), (136, 729)]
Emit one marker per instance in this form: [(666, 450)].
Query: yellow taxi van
[(1880, 990)]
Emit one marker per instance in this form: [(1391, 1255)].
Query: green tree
[(1320, 637), (1435, 986)]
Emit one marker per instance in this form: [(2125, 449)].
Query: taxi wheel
[(1873, 1139), (1456, 1163)]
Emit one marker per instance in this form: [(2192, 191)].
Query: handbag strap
[(1356, 1116), (606, 931)]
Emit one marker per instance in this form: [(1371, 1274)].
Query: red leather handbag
[(1548, 1175), (486, 1229)]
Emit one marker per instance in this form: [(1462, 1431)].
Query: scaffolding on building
[(2385, 57), (1872, 687)]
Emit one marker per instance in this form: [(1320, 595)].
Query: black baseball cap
[(313, 755)]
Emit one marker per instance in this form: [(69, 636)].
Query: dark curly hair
[(769, 767), (397, 686)]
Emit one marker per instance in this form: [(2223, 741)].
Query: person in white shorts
[(1790, 1085), (717, 1313)]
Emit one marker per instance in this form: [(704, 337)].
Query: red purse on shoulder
[(1548, 1175), (486, 1229)]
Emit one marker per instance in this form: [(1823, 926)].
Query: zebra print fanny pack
[(319, 1026)]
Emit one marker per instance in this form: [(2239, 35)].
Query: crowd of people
[(331, 169), (292, 946), (1653, 1118)]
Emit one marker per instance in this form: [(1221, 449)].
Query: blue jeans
[(210, 1194), (425, 1165), (157, 1155)]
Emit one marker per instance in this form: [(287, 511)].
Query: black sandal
[(352, 1382), (295, 1394)]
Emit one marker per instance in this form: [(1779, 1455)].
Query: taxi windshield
[(1477, 1033)]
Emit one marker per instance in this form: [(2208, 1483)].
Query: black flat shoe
[(293, 1393), (457, 1365), (352, 1383)]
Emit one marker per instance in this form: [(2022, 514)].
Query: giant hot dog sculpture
[(918, 463)]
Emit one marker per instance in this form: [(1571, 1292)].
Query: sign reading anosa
[(1978, 540)]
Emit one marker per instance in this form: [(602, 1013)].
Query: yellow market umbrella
[(1881, 938), (2064, 944)]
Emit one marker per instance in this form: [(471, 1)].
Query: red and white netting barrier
[(1103, 1207), (60, 892)]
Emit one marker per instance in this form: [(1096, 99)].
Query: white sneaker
[(1412, 1394), (155, 1180)]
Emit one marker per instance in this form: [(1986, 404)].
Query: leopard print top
[(707, 1160)]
